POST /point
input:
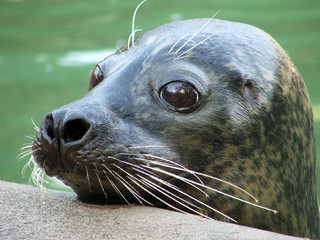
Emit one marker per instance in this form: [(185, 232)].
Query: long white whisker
[(120, 193), (35, 125), (175, 168), (141, 170), (24, 154), (133, 191), (146, 172), (101, 185), (196, 33), (201, 184), (31, 137), (174, 45), (114, 185), (175, 197), (180, 167), (209, 188), (136, 181), (131, 36), (165, 160), (130, 188), (75, 168), (228, 183), (28, 145), (167, 192), (196, 174), (199, 43), (137, 168), (88, 178), (27, 165), (172, 196), (189, 196), (37, 176), (147, 146), (133, 23), (119, 48)]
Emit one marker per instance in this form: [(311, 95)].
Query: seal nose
[(75, 129), (56, 126)]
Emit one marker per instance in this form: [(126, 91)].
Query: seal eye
[(96, 77), (180, 95)]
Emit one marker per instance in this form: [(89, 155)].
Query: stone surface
[(27, 212)]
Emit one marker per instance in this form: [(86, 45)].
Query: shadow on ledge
[(27, 212)]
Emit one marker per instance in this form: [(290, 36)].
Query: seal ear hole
[(180, 96), (96, 77), (249, 90)]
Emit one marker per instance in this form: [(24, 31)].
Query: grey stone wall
[(27, 212)]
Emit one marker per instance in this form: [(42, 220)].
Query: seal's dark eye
[(180, 95), (96, 77)]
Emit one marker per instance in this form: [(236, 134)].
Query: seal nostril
[(48, 126), (75, 129)]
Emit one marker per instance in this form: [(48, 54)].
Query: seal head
[(200, 116)]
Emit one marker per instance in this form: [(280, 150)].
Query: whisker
[(113, 184), (131, 189), (199, 43), (118, 190), (131, 36), (191, 197), (136, 181), (196, 174), (35, 125), (196, 33), (101, 185), (26, 146), (165, 183), (128, 186), (27, 165), (119, 48), (75, 168), (147, 146), (133, 31), (178, 190), (174, 45), (32, 137), (209, 188), (175, 197), (175, 168), (24, 154), (137, 193), (228, 183), (147, 172), (37, 176), (172, 196), (174, 163), (88, 178)]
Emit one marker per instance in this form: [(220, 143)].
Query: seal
[(203, 116)]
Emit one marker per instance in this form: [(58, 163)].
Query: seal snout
[(63, 132)]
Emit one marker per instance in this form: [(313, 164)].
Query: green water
[(36, 35)]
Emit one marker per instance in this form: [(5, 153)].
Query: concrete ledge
[(27, 212)]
